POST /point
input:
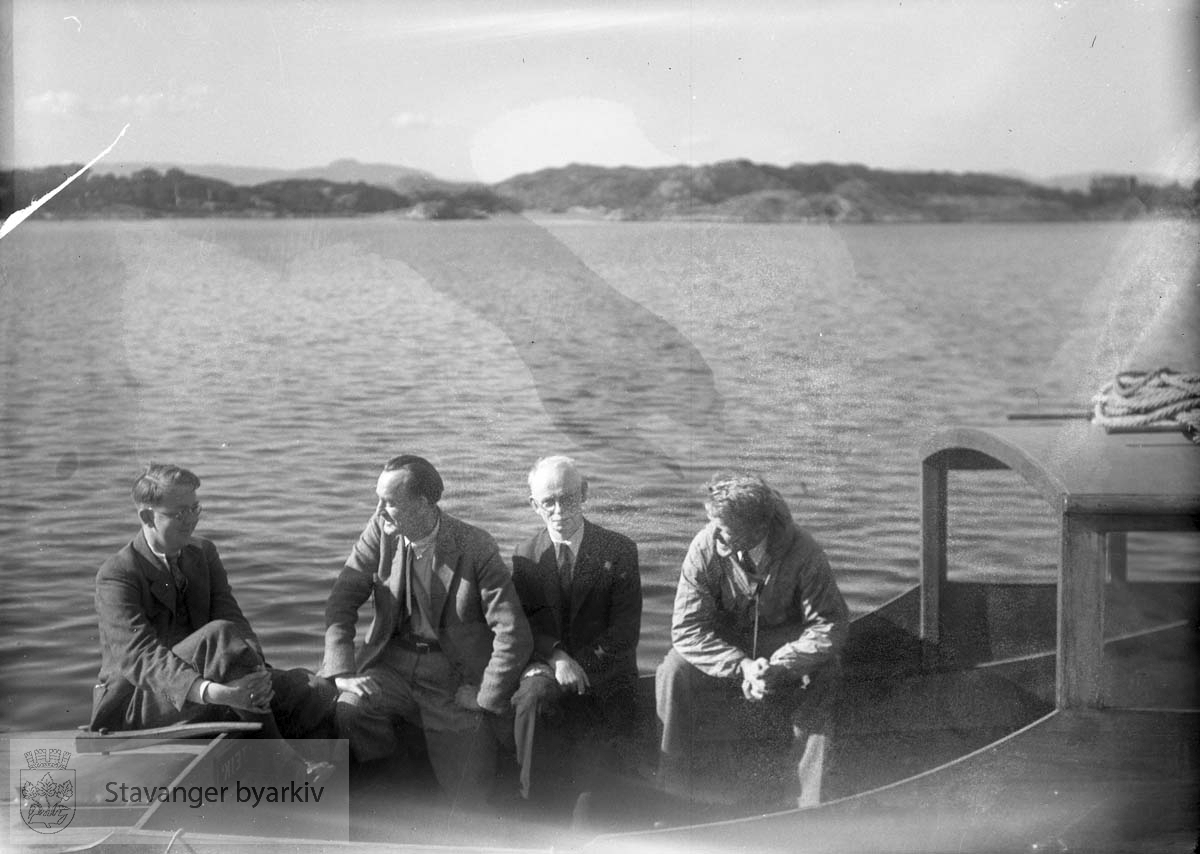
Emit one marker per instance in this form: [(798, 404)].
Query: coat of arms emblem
[(47, 790)]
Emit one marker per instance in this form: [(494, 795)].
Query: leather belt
[(417, 644)]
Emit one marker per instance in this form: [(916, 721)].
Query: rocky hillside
[(742, 191), (149, 193), (732, 191)]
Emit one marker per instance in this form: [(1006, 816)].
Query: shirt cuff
[(197, 691)]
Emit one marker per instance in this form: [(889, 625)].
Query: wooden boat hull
[(957, 747)]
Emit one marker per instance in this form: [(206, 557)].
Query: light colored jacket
[(802, 618)]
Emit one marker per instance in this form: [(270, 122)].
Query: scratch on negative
[(20, 216)]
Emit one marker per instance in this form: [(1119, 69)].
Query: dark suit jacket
[(605, 608), (140, 678), (479, 621)]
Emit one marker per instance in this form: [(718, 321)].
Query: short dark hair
[(153, 483), (740, 499), (425, 482)]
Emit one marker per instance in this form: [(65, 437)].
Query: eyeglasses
[(738, 540), (567, 502), (182, 515)]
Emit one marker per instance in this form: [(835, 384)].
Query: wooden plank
[(1080, 616), (1116, 554), (1077, 459), (110, 742), (179, 779), (1144, 512), (1064, 415), (1145, 428), (965, 459)]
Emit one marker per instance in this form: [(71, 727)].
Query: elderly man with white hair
[(581, 591)]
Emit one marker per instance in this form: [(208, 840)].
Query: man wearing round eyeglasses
[(175, 646), (757, 627), (581, 590)]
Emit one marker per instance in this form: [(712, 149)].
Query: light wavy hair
[(743, 500)]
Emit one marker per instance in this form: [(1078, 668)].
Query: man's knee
[(535, 695), (673, 673), (678, 681), (225, 633), (816, 703), (219, 651)]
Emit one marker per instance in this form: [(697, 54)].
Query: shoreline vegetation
[(730, 191)]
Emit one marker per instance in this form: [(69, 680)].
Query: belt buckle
[(418, 644)]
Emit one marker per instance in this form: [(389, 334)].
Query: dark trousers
[(302, 706), (715, 740), (573, 741)]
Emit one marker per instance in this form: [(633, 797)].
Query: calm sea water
[(284, 361)]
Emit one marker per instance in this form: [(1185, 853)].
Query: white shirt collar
[(162, 558), (573, 543)]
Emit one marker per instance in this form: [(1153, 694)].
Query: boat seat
[(105, 741)]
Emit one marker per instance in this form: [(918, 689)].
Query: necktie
[(177, 575), (564, 566), (181, 584), (747, 562), (564, 585), (406, 562)]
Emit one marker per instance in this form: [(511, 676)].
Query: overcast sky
[(487, 90)]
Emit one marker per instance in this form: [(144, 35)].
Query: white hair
[(555, 461)]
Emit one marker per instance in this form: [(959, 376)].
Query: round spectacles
[(566, 502), (182, 515)]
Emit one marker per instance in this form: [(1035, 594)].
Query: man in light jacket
[(758, 623)]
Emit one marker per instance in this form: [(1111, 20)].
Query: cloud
[(54, 103), (562, 131), (189, 100), (414, 121)]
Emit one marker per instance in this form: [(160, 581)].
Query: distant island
[(729, 191)]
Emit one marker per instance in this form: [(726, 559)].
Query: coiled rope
[(1145, 399)]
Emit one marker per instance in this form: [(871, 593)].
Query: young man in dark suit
[(175, 646), (580, 588)]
